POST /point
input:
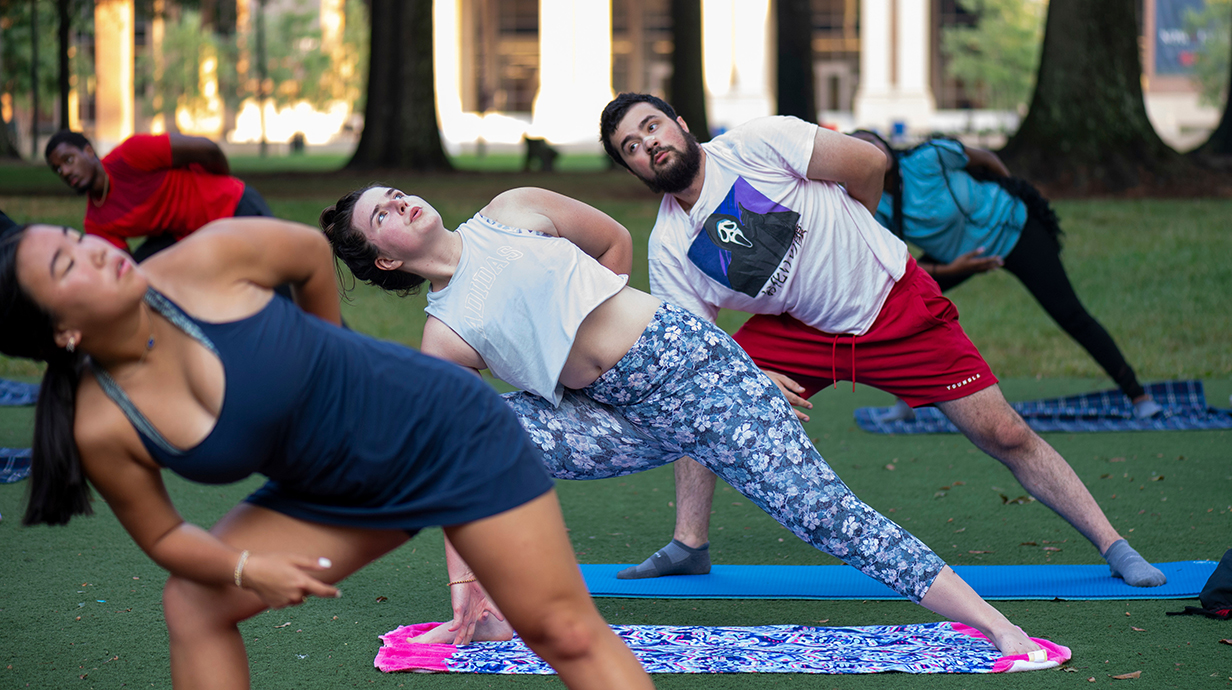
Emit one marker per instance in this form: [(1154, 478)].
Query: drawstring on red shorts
[(834, 363)]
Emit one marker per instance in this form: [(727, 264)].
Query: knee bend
[(189, 607), (561, 635), (1011, 434)]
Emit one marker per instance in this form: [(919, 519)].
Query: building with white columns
[(545, 68)]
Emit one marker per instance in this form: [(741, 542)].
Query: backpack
[(1216, 596)]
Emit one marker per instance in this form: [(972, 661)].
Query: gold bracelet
[(461, 582), (239, 568)]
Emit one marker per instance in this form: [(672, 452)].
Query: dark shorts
[(915, 349)]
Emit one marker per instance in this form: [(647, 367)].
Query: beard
[(678, 174)]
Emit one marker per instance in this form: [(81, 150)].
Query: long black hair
[(357, 252), (58, 488)]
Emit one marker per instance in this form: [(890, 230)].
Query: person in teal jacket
[(969, 215)]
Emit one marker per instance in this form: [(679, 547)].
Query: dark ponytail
[(58, 488), (360, 255)]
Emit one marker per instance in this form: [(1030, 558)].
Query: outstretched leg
[(206, 648), (524, 560), (993, 426), (1036, 262)]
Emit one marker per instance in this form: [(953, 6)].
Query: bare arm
[(267, 252), (186, 150), (980, 159), (440, 341), (592, 230), (133, 489), (857, 165)]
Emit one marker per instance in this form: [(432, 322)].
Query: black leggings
[(1036, 262)]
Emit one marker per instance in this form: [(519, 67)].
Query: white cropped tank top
[(518, 298)]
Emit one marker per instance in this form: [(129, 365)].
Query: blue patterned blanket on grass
[(923, 648), (14, 464), (1184, 404), (15, 393)]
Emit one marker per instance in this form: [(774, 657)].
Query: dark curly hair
[(357, 252), (65, 136), (615, 111)]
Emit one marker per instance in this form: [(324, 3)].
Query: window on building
[(836, 53), (641, 46), (500, 55)]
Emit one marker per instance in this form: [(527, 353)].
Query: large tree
[(400, 124), (1087, 130), (686, 90), (795, 79), (1217, 151)]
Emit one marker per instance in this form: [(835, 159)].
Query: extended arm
[(592, 230), (857, 165), (134, 491), (186, 150)]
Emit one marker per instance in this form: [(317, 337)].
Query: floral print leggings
[(686, 388)]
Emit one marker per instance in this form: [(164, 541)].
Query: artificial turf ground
[(1157, 273)]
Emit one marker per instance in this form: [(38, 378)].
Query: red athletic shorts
[(915, 349)]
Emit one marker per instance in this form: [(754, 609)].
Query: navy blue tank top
[(349, 430)]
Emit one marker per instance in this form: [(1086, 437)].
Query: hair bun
[(326, 221)]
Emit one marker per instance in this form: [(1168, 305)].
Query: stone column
[(575, 70), (894, 63), (113, 92)]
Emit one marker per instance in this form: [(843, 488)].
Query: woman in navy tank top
[(641, 383), (186, 363)]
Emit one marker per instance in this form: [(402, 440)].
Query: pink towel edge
[(1056, 652), (396, 654)]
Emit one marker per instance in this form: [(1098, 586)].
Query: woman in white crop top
[(644, 382)]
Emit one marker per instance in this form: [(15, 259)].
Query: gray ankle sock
[(673, 559), (1125, 563)]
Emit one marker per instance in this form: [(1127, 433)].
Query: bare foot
[(489, 629), (1013, 641)]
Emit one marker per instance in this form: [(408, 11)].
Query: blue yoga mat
[(1004, 582), (1184, 404), (17, 393)]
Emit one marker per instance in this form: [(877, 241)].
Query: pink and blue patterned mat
[(997, 582), (1184, 403), (923, 648)]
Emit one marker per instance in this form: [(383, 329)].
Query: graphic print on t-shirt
[(745, 240)]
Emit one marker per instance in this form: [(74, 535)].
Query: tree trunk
[(686, 90), (795, 59), (1087, 129), (400, 125), (8, 147), (34, 83), (66, 24)]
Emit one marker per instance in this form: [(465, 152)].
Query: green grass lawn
[(1156, 273)]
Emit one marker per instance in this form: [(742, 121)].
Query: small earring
[(72, 345)]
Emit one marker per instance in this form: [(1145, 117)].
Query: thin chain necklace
[(149, 344)]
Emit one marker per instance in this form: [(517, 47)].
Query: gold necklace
[(106, 189)]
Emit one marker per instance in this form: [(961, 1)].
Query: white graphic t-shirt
[(763, 238)]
